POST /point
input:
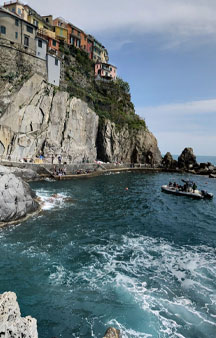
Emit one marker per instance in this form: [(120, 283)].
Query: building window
[(26, 41), (29, 29), (47, 20), (19, 11), (3, 30), (16, 35), (54, 43), (56, 62), (35, 22), (13, 9), (16, 22), (78, 43), (40, 43)]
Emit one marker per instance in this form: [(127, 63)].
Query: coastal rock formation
[(168, 162), (40, 120), (187, 159), (12, 325), (17, 200), (25, 174), (127, 145), (112, 333)]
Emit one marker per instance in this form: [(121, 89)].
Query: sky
[(166, 50)]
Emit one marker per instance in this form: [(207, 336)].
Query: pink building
[(105, 71)]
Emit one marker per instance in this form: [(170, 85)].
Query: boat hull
[(174, 191)]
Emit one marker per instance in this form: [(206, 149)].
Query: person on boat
[(194, 187), (170, 184)]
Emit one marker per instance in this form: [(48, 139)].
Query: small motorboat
[(186, 191)]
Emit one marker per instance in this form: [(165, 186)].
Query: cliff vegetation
[(109, 99)]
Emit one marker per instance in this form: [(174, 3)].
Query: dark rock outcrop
[(187, 159), (17, 200), (12, 325), (168, 162)]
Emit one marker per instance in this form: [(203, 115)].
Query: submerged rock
[(17, 200), (12, 325)]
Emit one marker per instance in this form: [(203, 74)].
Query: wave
[(171, 286), (51, 201)]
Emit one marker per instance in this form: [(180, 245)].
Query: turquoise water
[(139, 260)]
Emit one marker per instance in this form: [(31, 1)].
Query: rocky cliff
[(82, 120), (37, 119), (126, 144)]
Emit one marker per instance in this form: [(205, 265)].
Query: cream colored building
[(17, 30)]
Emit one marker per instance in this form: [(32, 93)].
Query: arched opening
[(134, 156)]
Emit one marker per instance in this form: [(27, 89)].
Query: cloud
[(185, 108), (175, 142), (181, 125), (184, 18)]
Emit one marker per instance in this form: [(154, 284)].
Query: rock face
[(187, 159), (12, 325), (17, 200), (37, 119), (126, 145)]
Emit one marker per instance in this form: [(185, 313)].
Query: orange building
[(87, 44), (74, 35)]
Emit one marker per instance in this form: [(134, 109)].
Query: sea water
[(101, 255)]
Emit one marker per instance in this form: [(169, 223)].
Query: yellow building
[(61, 30), (37, 20), (104, 55)]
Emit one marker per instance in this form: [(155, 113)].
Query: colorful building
[(17, 30), (105, 71), (36, 19), (87, 44), (61, 30), (100, 53), (74, 35)]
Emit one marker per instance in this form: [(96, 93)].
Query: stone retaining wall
[(18, 59)]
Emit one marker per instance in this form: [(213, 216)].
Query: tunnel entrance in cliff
[(134, 156)]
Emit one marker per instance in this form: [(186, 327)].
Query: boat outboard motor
[(206, 194)]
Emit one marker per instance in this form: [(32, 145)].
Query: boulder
[(168, 162), (187, 159), (12, 325), (112, 333), (17, 200)]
